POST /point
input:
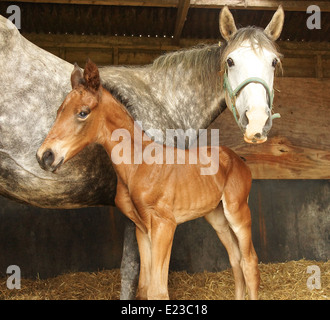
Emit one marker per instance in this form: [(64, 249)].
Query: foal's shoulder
[(227, 155)]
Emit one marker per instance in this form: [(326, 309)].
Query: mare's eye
[(274, 62), (230, 62), (83, 113)]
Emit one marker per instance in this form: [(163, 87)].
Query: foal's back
[(182, 190)]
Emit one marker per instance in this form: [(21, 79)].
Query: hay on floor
[(279, 281)]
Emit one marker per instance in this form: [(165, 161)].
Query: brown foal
[(155, 195)]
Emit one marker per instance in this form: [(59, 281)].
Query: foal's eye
[(84, 113), (274, 62), (230, 62)]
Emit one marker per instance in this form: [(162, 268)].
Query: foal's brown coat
[(157, 197)]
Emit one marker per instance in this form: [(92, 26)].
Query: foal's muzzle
[(47, 161)]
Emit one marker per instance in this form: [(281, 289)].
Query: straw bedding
[(279, 281)]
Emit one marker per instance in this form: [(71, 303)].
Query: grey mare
[(180, 90)]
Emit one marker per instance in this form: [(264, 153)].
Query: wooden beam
[(261, 4), (104, 42), (136, 3), (295, 47), (98, 41), (212, 4), (180, 19)]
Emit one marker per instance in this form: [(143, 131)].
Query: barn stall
[(290, 193)]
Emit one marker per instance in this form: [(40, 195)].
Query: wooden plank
[(101, 42), (260, 4), (141, 57), (319, 66), (139, 3), (115, 56), (299, 66), (326, 66), (286, 47), (180, 19), (214, 4), (298, 145), (80, 55)]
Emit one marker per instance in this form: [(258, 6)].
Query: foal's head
[(74, 127), (251, 55)]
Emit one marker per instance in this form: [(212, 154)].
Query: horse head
[(74, 128), (248, 65)]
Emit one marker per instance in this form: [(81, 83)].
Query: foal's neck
[(115, 114), (117, 117)]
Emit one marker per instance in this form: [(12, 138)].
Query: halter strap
[(233, 94)]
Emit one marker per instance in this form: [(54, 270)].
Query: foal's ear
[(274, 28), (226, 23), (76, 76), (92, 76)]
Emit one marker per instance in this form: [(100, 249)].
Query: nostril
[(48, 158), (257, 135)]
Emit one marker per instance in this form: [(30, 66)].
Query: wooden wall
[(301, 59)]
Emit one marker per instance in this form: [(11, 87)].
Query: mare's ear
[(274, 28), (76, 76), (92, 76), (226, 23)]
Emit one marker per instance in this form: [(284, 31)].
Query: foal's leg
[(130, 254), (220, 224), (239, 218), (145, 263), (162, 233)]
